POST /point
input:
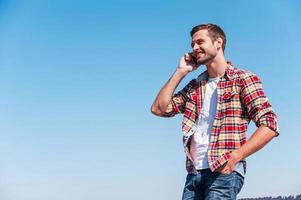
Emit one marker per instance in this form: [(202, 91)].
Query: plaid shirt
[(240, 99)]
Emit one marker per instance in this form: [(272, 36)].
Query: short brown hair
[(214, 32)]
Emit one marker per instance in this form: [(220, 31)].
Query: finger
[(226, 172), (222, 167), (222, 170), (187, 57)]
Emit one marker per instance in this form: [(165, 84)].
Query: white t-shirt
[(201, 138)]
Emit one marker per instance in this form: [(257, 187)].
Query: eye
[(198, 42)]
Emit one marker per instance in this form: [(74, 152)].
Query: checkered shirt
[(240, 99)]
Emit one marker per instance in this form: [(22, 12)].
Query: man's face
[(204, 49)]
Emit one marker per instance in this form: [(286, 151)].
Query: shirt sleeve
[(256, 103), (178, 101)]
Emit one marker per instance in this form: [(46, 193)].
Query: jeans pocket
[(239, 182)]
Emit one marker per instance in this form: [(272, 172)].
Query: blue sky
[(77, 80)]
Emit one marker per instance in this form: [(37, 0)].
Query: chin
[(203, 61)]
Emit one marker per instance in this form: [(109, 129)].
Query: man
[(217, 108)]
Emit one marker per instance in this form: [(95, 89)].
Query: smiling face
[(204, 49)]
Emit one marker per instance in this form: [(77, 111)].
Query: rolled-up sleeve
[(256, 103), (178, 101)]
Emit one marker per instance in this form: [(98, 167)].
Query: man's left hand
[(229, 166)]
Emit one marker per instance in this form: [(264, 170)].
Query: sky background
[(77, 79)]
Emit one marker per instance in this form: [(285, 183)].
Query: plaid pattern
[(240, 100)]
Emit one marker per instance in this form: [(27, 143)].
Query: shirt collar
[(229, 70), (229, 73)]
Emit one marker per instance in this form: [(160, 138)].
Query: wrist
[(182, 72), (237, 155)]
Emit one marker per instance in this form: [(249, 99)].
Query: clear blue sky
[(77, 79)]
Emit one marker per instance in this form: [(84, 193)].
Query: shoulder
[(243, 75), (190, 86), (192, 83)]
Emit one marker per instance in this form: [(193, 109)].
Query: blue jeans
[(207, 185)]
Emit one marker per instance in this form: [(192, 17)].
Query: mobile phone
[(194, 59)]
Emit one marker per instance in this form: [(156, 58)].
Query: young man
[(217, 108)]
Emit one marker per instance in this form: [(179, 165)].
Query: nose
[(195, 46)]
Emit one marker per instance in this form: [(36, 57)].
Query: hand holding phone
[(188, 63), (193, 59)]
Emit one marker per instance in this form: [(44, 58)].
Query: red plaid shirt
[(240, 99)]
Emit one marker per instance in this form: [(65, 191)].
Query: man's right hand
[(186, 64), (162, 100)]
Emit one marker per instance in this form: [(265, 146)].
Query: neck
[(217, 66)]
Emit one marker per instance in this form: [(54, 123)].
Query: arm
[(261, 112), (258, 140), (162, 104)]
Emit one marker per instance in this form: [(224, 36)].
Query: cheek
[(205, 47), (212, 50), (208, 46)]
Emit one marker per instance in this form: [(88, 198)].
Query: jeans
[(207, 185)]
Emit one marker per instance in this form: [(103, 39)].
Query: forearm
[(164, 96), (258, 140)]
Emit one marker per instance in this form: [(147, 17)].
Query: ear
[(219, 43)]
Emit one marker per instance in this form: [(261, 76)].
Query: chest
[(225, 95)]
